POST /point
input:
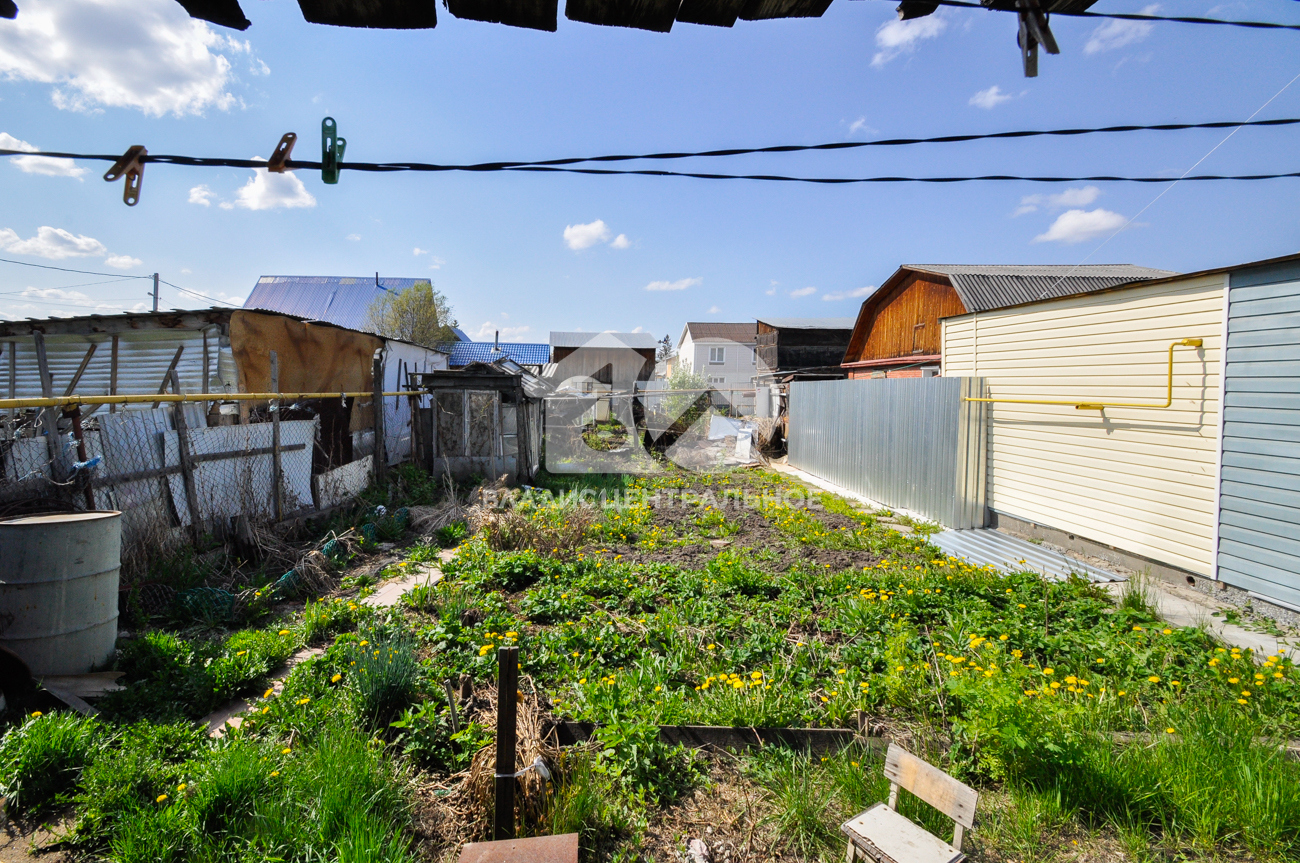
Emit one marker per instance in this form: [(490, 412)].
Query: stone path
[(389, 594)]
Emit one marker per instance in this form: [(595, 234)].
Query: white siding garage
[(1139, 479), (1259, 518)]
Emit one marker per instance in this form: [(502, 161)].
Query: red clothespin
[(132, 166), (282, 152)]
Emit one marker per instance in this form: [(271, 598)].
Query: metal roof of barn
[(341, 300), (810, 323), (603, 340), (523, 353), (983, 287)]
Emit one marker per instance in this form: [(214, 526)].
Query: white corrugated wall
[(1142, 480)]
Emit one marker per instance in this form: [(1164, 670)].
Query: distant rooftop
[(984, 287), (810, 323), (524, 353), (742, 333), (603, 340), (341, 300)]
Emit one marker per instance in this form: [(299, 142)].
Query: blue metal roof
[(524, 353), (341, 300)]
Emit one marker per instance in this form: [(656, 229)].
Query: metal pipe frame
[(1095, 406)]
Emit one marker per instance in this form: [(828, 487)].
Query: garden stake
[(451, 703), (503, 826)]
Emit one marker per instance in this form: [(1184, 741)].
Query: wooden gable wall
[(904, 322)]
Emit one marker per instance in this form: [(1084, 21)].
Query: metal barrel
[(58, 589)]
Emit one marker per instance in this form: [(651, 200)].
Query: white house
[(722, 354)]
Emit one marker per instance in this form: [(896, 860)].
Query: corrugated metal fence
[(911, 443)]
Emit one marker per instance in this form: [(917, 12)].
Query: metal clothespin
[(331, 150), (283, 150), (1034, 31), (343, 399), (132, 166)]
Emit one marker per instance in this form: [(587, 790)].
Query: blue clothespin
[(331, 150)]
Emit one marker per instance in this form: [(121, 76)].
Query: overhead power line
[(846, 180), (197, 294), (217, 162), (65, 269), (1131, 16)]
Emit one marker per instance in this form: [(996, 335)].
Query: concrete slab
[(232, 713), (1185, 607), (390, 593)]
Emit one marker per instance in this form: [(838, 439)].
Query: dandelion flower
[(36, 714), (1169, 731), (285, 751), (336, 678), (181, 787), (1232, 680), (1153, 679), (161, 798), (1049, 671), (284, 632), (275, 772)]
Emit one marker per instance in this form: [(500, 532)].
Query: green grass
[(42, 758)]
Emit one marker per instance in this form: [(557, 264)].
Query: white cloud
[(201, 195), (990, 98), (155, 59), (353, 237), (436, 263), (267, 191), (1118, 33), (844, 295), (902, 37), (1075, 226), (1080, 197), (713, 310), (123, 262), (620, 242), (771, 292), (38, 164), (679, 285), (638, 330), (579, 237), (39, 300), (418, 251), (488, 330), (859, 125), (52, 243), (803, 292)]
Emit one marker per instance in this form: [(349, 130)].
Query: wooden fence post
[(277, 476), (377, 403), (503, 824), (49, 416), (186, 459)]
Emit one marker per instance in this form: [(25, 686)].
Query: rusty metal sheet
[(535, 849)]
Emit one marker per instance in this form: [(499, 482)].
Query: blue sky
[(523, 253)]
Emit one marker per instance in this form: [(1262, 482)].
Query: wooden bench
[(880, 834)]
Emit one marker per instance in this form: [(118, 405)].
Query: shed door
[(1259, 505)]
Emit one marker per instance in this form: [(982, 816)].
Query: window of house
[(717, 355), (717, 380)]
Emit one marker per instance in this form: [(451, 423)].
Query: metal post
[(277, 497), (13, 378), (503, 825), (155, 292), (377, 406), (186, 459)]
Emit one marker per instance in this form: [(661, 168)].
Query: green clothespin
[(331, 150)]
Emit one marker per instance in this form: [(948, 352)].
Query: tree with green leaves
[(417, 314)]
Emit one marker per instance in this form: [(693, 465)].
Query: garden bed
[(735, 599)]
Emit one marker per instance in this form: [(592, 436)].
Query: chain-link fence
[(178, 472)]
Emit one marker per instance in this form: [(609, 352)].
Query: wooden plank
[(199, 458), (186, 457), (532, 14), (952, 798), (377, 404), (49, 416), (881, 834), (654, 15), (171, 370), (81, 370), (112, 371), (714, 13), (207, 373), (277, 471)]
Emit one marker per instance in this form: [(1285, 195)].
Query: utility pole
[(155, 292)]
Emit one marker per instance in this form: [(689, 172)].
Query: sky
[(524, 253)]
